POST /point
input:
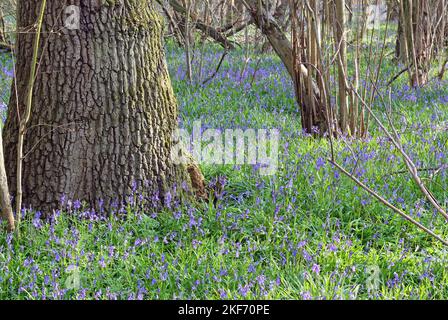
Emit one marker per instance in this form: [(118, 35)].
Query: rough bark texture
[(103, 110)]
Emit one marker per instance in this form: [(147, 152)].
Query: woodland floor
[(306, 232)]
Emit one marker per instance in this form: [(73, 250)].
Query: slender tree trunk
[(313, 112), (2, 27), (188, 39), (5, 201), (400, 46), (200, 25), (103, 108)]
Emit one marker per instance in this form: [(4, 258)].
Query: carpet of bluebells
[(306, 232)]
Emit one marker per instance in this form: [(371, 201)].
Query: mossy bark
[(103, 110)]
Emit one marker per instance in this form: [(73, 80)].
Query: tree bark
[(103, 110), (4, 40), (5, 201)]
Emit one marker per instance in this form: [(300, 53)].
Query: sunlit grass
[(306, 232)]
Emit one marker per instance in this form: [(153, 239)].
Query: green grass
[(306, 232)]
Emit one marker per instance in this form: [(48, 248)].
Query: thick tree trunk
[(103, 110)]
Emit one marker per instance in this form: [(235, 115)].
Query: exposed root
[(197, 181)]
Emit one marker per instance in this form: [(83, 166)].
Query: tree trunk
[(313, 113), (5, 201), (2, 27), (103, 110), (341, 48), (400, 47), (201, 25)]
